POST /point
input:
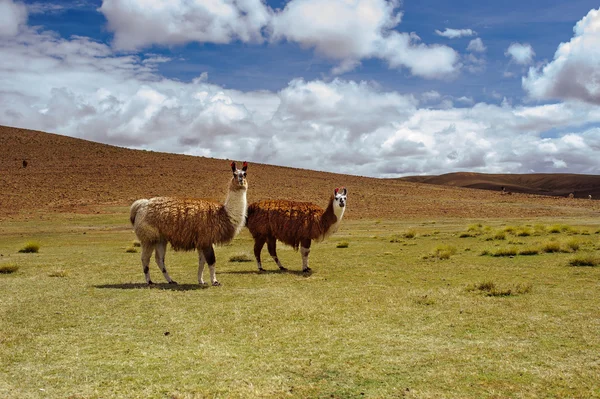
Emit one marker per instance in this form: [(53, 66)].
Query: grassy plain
[(405, 309)]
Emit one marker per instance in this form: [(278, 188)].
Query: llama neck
[(236, 206), (331, 218)]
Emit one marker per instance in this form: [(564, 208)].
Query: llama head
[(340, 196), (239, 175)]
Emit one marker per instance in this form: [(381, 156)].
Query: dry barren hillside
[(65, 174), (559, 185)]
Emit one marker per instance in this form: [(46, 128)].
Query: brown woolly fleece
[(289, 221), (189, 223)]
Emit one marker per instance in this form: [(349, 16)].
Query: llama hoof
[(307, 270), (216, 284), (261, 270), (150, 282), (173, 282), (283, 269)]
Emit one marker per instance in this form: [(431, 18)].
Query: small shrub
[(500, 236), (136, 244), (523, 232), (466, 235), (444, 251), (562, 228), (551, 247), (489, 288), (529, 251), (475, 227), (539, 229), (8, 268), (131, 250), (505, 252), (410, 234), (554, 229), (240, 258), (510, 229), (424, 300), (58, 273), (30, 247), (572, 245), (396, 238), (485, 252), (585, 260), (342, 244)]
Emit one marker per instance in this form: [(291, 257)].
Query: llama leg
[(259, 243), (161, 250), (209, 255), (201, 262), (305, 251), (272, 247), (147, 250)]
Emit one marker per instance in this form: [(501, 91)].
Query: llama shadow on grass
[(159, 286), (275, 271)]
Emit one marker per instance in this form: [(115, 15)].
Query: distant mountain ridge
[(554, 184)]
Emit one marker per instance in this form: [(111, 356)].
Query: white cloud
[(455, 33), (345, 32), (82, 88), (12, 17), (575, 71), (137, 24), (476, 45), (350, 31), (520, 53)]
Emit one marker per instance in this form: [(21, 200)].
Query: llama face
[(340, 197), (239, 175)]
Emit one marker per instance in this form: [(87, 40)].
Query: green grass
[(32, 247), (374, 320)]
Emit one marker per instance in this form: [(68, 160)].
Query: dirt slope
[(536, 183), (65, 174)]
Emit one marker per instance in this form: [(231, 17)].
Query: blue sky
[(368, 87)]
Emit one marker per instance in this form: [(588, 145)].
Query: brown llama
[(190, 224), (293, 223)]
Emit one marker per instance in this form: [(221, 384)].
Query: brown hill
[(560, 185), (65, 174)]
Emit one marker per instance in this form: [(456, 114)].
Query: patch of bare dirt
[(65, 174)]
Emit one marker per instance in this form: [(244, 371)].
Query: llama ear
[(233, 168), (245, 167), (344, 191)]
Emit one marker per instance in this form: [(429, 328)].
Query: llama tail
[(134, 209)]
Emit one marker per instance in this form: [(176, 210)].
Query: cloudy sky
[(366, 87)]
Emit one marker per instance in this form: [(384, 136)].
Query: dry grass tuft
[(8, 268), (240, 258), (505, 252), (585, 260), (58, 273), (551, 247), (30, 248), (490, 288), (131, 250), (529, 251), (343, 244), (444, 251)]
